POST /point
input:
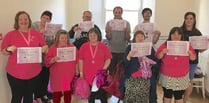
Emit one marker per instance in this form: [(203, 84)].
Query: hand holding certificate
[(66, 54), (29, 55), (117, 25), (51, 29), (86, 26), (142, 49), (178, 48), (199, 42)]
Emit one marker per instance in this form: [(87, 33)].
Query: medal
[(93, 54)]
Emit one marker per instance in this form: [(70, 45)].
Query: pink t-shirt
[(174, 66), (61, 73), (27, 70), (90, 69)]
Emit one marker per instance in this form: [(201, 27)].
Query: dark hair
[(47, 13), (57, 36), (118, 7), (96, 31), (16, 26), (185, 16), (146, 9), (176, 29), (138, 32)]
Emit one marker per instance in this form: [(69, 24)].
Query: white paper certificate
[(66, 54), (178, 48), (29, 55), (117, 25), (199, 42), (51, 29), (142, 49), (86, 26)]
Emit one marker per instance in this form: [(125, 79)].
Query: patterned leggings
[(137, 90)]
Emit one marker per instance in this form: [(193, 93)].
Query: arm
[(80, 66), (162, 53), (127, 32), (107, 31), (156, 36), (106, 64)]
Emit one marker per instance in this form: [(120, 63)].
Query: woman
[(135, 89), (61, 72), (22, 76), (174, 69), (40, 93), (189, 29), (94, 56)]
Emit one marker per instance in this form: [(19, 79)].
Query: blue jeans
[(153, 85), (192, 68)]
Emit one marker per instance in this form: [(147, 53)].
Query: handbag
[(82, 88), (113, 81)]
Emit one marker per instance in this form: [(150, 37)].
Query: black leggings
[(100, 94), (22, 89), (42, 84), (168, 93)]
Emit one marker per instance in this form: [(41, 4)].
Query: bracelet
[(8, 50)]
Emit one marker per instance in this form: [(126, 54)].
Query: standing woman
[(189, 29), (61, 72), (174, 69), (135, 89), (22, 77), (41, 90), (94, 56)]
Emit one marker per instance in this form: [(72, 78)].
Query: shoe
[(45, 99)]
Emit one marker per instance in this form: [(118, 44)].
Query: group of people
[(28, 78)]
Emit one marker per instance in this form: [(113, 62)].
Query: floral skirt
[(137, 90)]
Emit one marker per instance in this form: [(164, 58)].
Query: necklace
[(93, 54), (27, 41)]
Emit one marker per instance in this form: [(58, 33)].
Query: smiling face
[(189, 20), (63, 40), (117, 12), (146, 15), (93, 38), (139, 38), (23, 21), (176, 36), (45, 19)]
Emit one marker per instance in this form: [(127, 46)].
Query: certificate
[(179, 48), (117, 25), (142, 49), (66, 54), (199, 42), (29, 55), (147, 28), (51, 29), (86, 26)]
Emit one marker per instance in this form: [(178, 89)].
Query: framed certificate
[(66, 54), (179, 48), (199, 42), (142, 49), (51, 29), (117, 25), (29, 55)]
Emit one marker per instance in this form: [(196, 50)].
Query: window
[(103, 12)]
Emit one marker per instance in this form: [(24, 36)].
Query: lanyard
[(27, 41)]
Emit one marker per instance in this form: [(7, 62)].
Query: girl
[(174, 69), (61, 72), (136, 89)]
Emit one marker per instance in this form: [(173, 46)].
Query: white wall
[(203, 17), (7, 13)]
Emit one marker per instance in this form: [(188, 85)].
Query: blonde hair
[(57, 36)]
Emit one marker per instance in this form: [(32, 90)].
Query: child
[(174, 69), (136, 87), (61, 72)]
